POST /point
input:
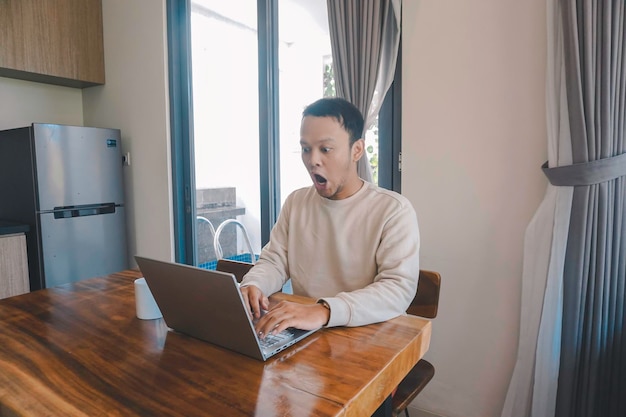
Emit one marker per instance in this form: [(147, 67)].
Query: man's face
[(329, 158)]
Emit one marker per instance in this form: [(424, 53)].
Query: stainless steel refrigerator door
[(77, 165), (76, 248)]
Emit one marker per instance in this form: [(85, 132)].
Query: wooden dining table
[(79, 350)]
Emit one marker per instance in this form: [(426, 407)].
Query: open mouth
[(319, 179)]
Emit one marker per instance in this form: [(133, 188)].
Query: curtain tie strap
[(587, 173)]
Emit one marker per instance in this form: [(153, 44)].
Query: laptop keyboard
[(272, 340)]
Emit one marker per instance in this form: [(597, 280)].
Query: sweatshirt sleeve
[(270, 272), (393, 288)]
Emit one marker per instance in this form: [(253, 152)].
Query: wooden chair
[(425, 304), (237, 268)]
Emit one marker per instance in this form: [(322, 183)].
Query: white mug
[(146, 307)]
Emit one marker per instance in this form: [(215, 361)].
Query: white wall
[(135, 100), (474, 137), (26, 102)]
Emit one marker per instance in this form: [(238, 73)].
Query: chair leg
[(406, 412), (385, 409)]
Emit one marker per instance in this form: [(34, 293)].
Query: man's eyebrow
[(304, 142)]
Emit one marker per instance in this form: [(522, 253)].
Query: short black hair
[(346, 113)]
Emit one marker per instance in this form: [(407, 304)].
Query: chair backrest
[(237, 268), (426, 301)]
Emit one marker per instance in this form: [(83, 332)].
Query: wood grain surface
[(79, 350), (58, 39), (13, 265)]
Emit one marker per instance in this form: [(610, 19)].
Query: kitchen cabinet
[(52, 41), (13, 265)]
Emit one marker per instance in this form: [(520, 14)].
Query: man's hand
[(255, 300), (289, 314)]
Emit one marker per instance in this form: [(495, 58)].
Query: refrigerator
[(66, 183)]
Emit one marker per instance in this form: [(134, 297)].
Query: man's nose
[(315, 158)]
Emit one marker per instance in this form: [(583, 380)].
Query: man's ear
[(358, 148)]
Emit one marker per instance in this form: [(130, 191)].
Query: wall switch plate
[(126, 159)]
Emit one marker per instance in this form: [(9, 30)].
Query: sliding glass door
[(226, 130), (241, 72), (224, 56), (304, 53)]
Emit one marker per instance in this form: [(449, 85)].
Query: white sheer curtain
[(533, 387)]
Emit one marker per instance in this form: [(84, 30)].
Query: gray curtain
[(592, 371), (358, 32)]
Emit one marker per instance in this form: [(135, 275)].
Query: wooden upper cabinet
[(52, 41)]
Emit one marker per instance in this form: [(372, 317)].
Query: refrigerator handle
[(81, 211)]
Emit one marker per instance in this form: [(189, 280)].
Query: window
[(225, 126), (241, 73)]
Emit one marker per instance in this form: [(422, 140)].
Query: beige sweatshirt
[(360, 254)]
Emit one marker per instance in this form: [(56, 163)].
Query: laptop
[(208, 305)]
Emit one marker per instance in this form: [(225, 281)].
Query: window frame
[(181, 129)]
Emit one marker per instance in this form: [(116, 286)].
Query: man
[(347, 243)]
